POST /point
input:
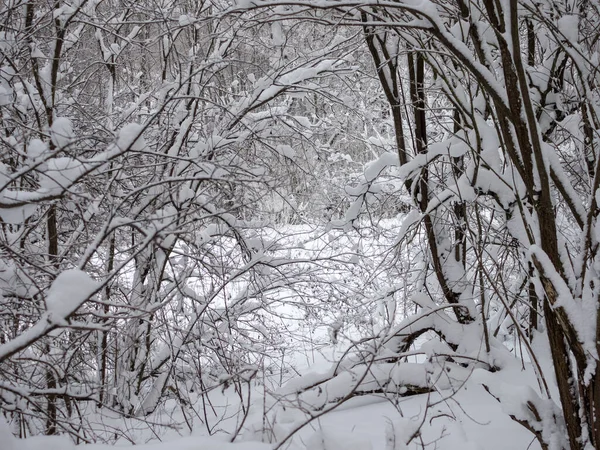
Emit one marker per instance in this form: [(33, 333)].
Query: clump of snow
[(18, 214), (374, 168), (286, 150), (68, 292), (37, 53), (277, 33), (61, 174), (245, 3), (4, 96), (524, 404), (569, 26), (36, 148), (184, 20), (186, 193), (61, 132), (130, 137)]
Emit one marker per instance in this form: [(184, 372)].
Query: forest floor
[(464, 418), (467, 419)]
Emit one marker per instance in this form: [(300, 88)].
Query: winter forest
[(300, 224)]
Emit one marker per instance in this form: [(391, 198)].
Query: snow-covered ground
[(468, 419), (465, 417)]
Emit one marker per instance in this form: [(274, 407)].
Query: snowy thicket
[(251, 218)]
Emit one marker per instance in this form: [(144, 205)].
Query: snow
[(568, 25), (60, 174), (412, 343), (61, 132), (460, 413), (374, 168), (188, 443), (5, 97), (277, 34), (36, 149), (286, 150), (18, 214), (468, 418), (130, 137), (185, 20), (69, 291), (37, 53), (325, 439), (9, 442)]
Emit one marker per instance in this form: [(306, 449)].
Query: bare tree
[(493, 108)]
